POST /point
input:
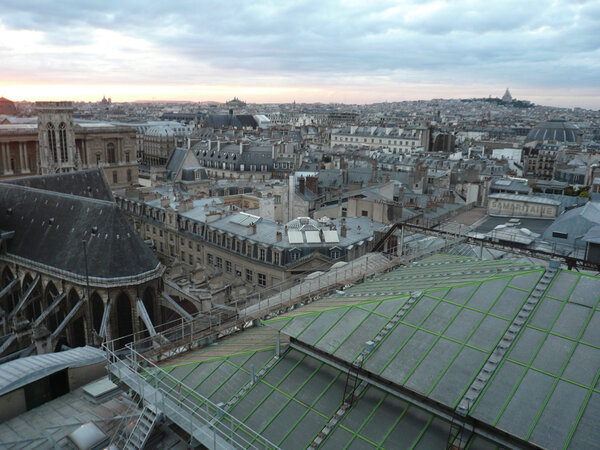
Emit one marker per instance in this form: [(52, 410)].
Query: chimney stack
[(302, 185), (343, 230), (165, 201), (279, 236), (252, 228)]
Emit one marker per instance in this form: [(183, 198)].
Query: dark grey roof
[(229, 120), (175, 161), (89, 183), (556, 130), (49, 228)]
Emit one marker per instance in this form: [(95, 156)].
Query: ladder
[(352, 381), (142, 429)]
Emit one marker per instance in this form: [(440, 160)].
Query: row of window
[(218, 262), (380, 141), (115, 176)]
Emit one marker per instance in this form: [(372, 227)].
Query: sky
[(350, 51)]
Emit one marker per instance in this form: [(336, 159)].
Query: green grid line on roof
[(551, 374)]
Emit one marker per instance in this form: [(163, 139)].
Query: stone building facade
[(58, 144), (207, 234)]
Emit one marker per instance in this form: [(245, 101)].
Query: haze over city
[(325, 51)]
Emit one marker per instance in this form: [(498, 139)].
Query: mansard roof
[(89, 183), (49, 228)]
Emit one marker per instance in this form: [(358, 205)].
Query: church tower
[(56, 137), (507, 98)]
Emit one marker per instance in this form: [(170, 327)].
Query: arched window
[(110, 153), (52, 141), (62, 138)]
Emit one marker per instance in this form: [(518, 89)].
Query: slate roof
[(575, 222), (89, 183), (228, 120), (175, 161), (49, 228)]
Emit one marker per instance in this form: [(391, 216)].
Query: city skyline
[(330, 51)]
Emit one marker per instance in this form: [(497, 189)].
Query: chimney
[(279, 236), (302, 184), (252, 228), (343, 230), (165, 201), (312, 183)]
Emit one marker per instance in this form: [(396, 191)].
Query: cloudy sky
[(353, 51)]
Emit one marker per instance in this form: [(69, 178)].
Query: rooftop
[(434, 325)]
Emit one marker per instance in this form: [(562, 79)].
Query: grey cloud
[(532, 42)]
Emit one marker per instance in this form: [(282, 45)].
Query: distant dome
[(7, 107), (554, 130)]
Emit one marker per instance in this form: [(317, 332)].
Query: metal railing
[(81, 279), (180, 335), (202, 419)]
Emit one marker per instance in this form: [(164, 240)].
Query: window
[(209, 259), (129, 175), (238, 246), (263, 254), (52, 142), (262, 279), (115, 177), (364, 213), (335, 254), (190, 244), (110, 153), (126, 156), (248, 275), (147, 227), (238, 272), (191, 259), (219, 262), (62, 138), (183, 256), (560, 235), (294, 256), (228, 266), (161, 233), (275, 258)]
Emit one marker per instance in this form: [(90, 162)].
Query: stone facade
[(57, 144)]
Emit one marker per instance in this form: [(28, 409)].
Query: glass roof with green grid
[(435, 324), (297, 396), (547, 388), (439, 345)]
